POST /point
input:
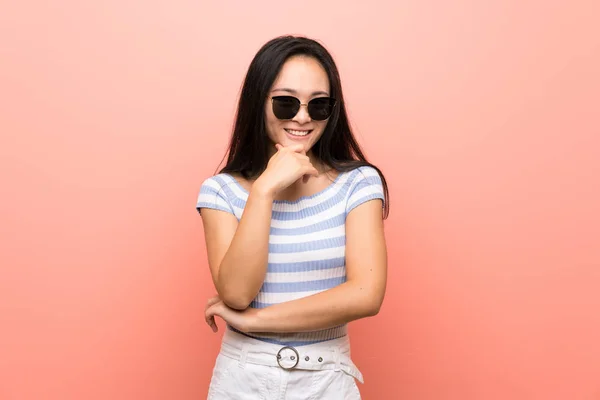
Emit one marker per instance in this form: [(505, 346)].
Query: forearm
[(244, 266), (342, 304)]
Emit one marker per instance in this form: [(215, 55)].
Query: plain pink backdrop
[(483, 115)]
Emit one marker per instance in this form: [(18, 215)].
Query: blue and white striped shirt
[(307, 241)]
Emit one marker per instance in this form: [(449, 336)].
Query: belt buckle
[(279, 357)]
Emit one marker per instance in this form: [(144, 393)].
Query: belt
[(332, 354)]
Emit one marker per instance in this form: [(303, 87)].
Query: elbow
[(372, 309), (373, 304), (233, 296), (235, 301)]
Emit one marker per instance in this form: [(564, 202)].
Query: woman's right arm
[(238, 252)]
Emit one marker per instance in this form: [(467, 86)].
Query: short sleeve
[(213, 196), (365, 185)]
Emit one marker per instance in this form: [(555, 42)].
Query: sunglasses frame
[(331, 99)]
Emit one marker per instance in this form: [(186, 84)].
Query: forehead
[(302, 74)]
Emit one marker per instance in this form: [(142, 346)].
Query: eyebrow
[(295, 92)]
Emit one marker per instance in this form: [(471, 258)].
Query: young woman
[(294, 233)]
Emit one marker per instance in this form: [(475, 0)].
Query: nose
[(302, 116)]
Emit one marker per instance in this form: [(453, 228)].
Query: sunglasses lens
[(321, 108), (285, 107)]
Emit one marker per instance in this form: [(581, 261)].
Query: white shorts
[(249, 369)]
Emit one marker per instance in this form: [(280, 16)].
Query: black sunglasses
[(286, 107)]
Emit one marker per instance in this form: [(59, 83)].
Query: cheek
[(273, 127), (270, 121), (320, 128)]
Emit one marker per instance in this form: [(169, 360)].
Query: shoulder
[(364, 176), (367, 172), (214, 193), (365, 184), (216, 181)]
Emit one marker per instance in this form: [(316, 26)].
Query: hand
[(285, 167), (241, 320)]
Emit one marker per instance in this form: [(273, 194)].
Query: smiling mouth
[(295, 132)]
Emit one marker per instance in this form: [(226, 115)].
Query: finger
[(310, 171), (212, 324), (303, 160), (211, 301), (209, 317), (297, 148), (278, 146)]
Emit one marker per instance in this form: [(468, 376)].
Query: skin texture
[(237, 252), (359, 297), (305, 79)]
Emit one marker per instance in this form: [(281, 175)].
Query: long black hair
[(248, 152)]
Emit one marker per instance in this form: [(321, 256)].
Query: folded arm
[(238, 252), (360, 296)]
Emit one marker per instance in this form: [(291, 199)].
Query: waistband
[(332, 354)]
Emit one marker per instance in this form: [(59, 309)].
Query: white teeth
[(298, 133)]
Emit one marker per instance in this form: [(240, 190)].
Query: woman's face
[(304, 78)]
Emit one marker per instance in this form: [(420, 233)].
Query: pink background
[(484, 116)]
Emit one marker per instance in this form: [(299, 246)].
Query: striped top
[(307, 241)]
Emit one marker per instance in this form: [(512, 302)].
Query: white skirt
[(250, 369)]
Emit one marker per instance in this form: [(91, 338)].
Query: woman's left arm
[(359, 297)]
